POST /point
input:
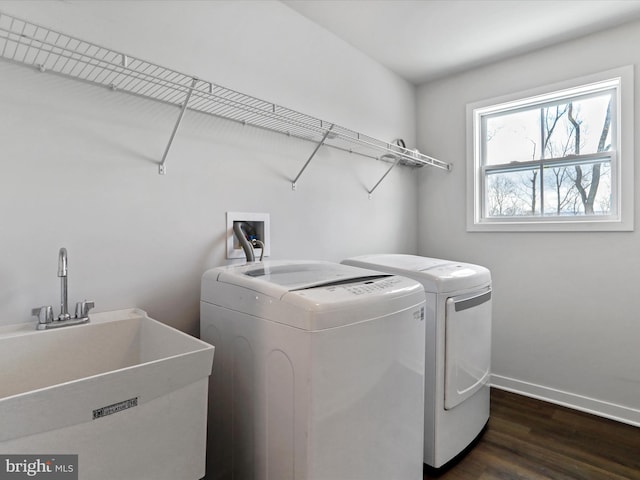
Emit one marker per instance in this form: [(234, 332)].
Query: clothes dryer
[(457, 348), (319, 372)]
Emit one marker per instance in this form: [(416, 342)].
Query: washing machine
[(319, 372), (457, 348)]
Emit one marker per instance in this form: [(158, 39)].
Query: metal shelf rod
[(162, 169), (313, 154), (383, 177)]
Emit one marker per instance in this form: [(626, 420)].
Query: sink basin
[(126, 393)]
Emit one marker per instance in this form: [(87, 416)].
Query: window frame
[(621, 159)]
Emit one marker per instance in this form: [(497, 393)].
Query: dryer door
[(467, 345)]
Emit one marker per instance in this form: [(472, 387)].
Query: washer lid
[(435, 274), (276, 278), (311, 296)]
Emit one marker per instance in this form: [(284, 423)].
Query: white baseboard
[(567, 399)]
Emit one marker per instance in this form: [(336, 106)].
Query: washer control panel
[(371, 286)]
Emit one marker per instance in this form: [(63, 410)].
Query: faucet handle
[(82, 308), (44, 313)]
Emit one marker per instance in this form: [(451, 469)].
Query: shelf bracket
[(162, 169), (313, 154), (396, 161)]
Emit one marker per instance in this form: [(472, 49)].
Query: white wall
[(566, 311), (79, 162)]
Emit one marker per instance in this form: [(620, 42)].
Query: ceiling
[(422, 40)]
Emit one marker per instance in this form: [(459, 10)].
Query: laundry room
[(137, 134)]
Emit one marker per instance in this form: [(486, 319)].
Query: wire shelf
[(27, 43)]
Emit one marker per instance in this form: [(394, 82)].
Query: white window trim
[(623, 220)]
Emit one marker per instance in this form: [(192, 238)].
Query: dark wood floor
[(527, 439)]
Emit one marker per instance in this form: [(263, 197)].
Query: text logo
[(115, 408), (50, 467)]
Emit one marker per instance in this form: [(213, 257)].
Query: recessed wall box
[(259, 222)]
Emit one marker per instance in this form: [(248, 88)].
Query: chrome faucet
[(62, 273), (45, 313)]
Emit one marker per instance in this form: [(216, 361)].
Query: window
[(560, 158)]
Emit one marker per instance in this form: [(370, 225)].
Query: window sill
[(582, 225)]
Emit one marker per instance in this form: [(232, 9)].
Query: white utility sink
[(126, 393)]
